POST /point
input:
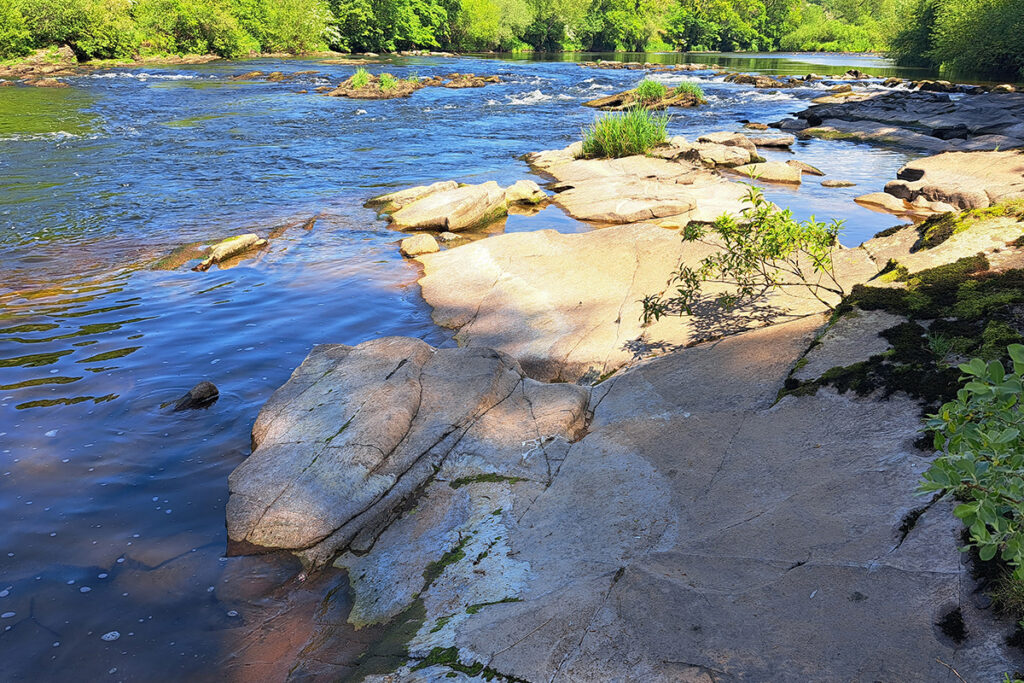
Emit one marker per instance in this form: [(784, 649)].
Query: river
[(112, 546)]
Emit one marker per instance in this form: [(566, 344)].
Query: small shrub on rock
[(387, 81), (360, 78), (688, 88), (634, 131), (649, 92)]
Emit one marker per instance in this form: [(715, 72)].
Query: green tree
[(15, 38)]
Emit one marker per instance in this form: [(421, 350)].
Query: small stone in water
[(84, 589), (7, 615), (231, 613), (110, 636), (52, 433), (57, 644), (7, 591), (101, 576)]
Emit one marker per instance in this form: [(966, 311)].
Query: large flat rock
[(966, 180), (451, 210), (568, 307)]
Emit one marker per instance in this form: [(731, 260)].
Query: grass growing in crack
[(649, 92), (488, 477), (473, 609), (361, 78), (635, 131)]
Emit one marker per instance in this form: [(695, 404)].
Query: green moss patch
[(937, 229), (478, 478)]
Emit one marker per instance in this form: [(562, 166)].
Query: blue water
[(104, 490)]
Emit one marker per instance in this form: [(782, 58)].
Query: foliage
[(15, 39), (765, 250), (286, 25), (360, 78), (979, 434), (649, 92), (687, 87), (387, 81), (634, 131)]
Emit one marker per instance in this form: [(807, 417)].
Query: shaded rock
[(391, 202), (837, 183), (1004, 88), (229, 248), (771, 171), (870, 131), (359, 431), (202, 395), (524, 192), (452, 210), (851, 339), (784, 141), (418, 244), (965, 180), (804, 167)]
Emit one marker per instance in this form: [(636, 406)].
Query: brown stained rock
[(357, 431), (628, 99), (524, 192)]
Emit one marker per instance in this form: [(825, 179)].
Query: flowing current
[(112, 540)]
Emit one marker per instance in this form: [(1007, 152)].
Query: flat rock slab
[(452, 210), (357, 430), (966, 180), (852, 339), (568, 307), (698, 532)]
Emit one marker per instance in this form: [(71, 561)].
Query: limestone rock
[(357, 431), (965, 180), (452, 210), (771, 171), (418, 244), (524, 192)]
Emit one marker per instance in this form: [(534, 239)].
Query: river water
[(112, 541)]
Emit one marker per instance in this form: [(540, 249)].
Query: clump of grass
[(361, 78), (413, 78), (690, 89), (649, 92), (635, 131), (387, 81)]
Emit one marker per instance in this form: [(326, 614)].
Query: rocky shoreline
[(572, 494)]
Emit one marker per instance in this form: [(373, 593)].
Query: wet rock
[(449, 237), (756, 126), (229, 248), (418, 244), (629, 99), (892, 82), (804, 167), (782, 141), (837, 183), (46, 83), (884, 201), (248, 76), (715, 155), (730, 140), (391, 202), (357, 432), (452, 210), (965, 180), (1004, 88), (771, 171), (759, 81), (857, 74), (841, 88), (202, 395), (524, 192)]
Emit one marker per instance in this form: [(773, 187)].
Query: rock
[(853, 338), (202, 395), (841, 88), (418, 244), (758, 81), (715, 155), (936, 86), (730, 140), (6, 83), (449, 237), (869, 131), (984, 143), (791, 124), (965, 180), (462, 208), (892, 82), (524, 192), (247, 76), (857, 74), (784, 141), (229, 248), (756, 126), (1004, 88), (628, 99), (46, 83), (837, 183), (883, 201), (359, 431), (771, 171), (391, 202), (804, 167)]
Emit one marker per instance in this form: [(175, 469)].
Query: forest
[(981, 36)]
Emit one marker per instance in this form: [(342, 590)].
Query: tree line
[(962, 34)]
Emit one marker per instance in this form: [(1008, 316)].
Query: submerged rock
[(358, 432), (805, 167), (202, 395), (837, 183), (229, 248)]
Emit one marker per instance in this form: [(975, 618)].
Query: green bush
[(649, 92), (109, 30), (765, 250), (54, 22), (192, 27), (690, 88), (621, 135), (15, 39), (285, 25), (979, 434), (387, 81)]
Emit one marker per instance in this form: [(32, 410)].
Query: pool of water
[(112, 547)]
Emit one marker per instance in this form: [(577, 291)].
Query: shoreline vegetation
[(980, 36)]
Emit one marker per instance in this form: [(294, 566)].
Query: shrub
[(621, 135), (286, 25), (649, 92), (979, 434), (766, 250), (387, 81), (360, 78), (690, 89), (109, 30), (15, 39), (192, 27), (53, 22)]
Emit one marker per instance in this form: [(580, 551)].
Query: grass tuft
[(360, 78), (649, 92), (635, 131), (387, 82), (691, 89)]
